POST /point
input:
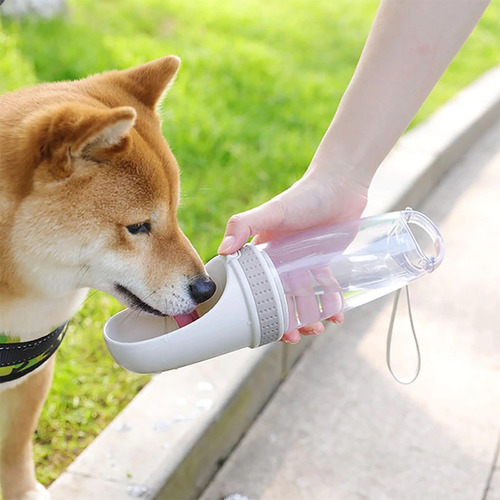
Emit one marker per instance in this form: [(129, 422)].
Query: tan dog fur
[(79, 162)]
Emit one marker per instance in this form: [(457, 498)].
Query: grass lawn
[(259, 84)]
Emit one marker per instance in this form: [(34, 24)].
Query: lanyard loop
[(411, 379)]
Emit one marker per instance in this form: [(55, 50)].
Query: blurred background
[(258, 85)]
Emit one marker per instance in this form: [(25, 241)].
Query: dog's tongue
[(186, 319)]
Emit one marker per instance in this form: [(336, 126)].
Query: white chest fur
[(32, 317)]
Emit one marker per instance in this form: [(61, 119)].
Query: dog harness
[(20, 358)]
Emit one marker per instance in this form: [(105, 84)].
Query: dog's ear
[(64, 132), (148, 82), (102, 129)]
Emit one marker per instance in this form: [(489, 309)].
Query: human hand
[(311, 202)]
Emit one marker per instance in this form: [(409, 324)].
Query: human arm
[(410, 45)]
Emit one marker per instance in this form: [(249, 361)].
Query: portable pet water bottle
[(266, 290)]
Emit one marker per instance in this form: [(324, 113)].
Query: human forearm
[(410, 45)]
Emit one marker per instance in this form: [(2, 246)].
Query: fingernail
[(226, 244), (311, 331), (338, 319)]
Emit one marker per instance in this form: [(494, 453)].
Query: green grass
[(259, 84)]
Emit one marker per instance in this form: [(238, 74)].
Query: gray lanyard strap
[(389, 339)]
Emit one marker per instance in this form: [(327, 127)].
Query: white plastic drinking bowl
[(143, 343)]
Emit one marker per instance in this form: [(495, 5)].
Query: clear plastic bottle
[(329, 270)]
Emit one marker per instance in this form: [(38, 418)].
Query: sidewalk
[(340, 427)]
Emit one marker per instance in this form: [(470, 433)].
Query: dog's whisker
[(129, 314), (90, 295), (81, 274)]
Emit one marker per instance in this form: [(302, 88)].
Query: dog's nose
[(202, 289)]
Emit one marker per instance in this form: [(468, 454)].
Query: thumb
[(243, 226)]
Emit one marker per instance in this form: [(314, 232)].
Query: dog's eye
[(142, 227)]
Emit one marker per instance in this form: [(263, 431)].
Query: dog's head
[(98, 208)]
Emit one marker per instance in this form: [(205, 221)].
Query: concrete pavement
[(341, 428)]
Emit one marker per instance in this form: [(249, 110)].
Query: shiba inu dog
[(89, 191)]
